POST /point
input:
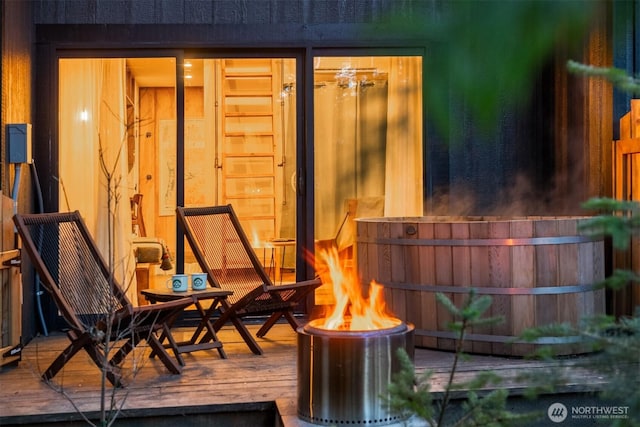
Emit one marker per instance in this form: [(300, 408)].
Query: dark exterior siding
[(529, 147), (223, 11)]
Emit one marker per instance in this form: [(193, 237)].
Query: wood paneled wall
[(16, 83), (156, 105), (17, 74)]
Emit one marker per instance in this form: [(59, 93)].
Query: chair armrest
[(305, 283), (177, 304)]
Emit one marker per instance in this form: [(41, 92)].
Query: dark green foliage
[(470, 314), (616, 359), (618, 220), (619, 362), (486, 54), (482, 407), (483, 54), (408, 393), (620, 278), (490, 411), (618, 77), (615, 342)]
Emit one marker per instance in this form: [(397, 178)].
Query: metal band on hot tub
[(524, 241), (506, 339), (547, 290), (542, 290)]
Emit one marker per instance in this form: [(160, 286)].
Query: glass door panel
[(368, 146), (117, 140), (246, 149)]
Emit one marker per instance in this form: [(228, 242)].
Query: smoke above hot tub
[(517, 197)]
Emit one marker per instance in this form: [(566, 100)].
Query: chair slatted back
[(223, 251), (71, 268)]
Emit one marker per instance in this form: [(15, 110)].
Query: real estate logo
[(557, 412)]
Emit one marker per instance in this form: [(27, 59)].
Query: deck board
[(239, 381)]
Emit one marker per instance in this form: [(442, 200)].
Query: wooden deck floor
[(243, 382)]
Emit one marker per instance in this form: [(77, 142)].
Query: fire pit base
[(342, 375)]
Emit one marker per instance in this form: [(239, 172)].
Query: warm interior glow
[(257, 242), (353, 310)]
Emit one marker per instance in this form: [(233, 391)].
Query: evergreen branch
[(615, 76)]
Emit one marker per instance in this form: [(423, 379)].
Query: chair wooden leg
[(292, 320), (269, 324), (162, 354), (166, 333), (240, 327), (112, 371), (246, 335), (77, 343), (274, 318), (122, 352), (157, 348), (66, 355)]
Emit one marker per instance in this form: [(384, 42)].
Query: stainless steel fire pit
[(342, 375)]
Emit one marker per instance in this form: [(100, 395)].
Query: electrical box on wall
[(19, 143)]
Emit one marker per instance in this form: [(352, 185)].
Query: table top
[(274, 243), (169, 294), (282, 242)]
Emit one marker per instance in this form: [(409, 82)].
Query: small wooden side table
[(209, 340), (277, 257)]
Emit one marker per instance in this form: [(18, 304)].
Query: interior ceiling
[(161, 72)]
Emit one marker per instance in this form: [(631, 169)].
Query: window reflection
[(368, 144)]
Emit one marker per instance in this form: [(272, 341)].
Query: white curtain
[(404, 188), (335, 165), (93, 141), (368, 144)]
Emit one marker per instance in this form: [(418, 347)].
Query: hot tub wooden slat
[(428, 306), (444, 276), (522, 276), (480, 278), (461, 266), (499, 273), (570, 306), (412, 272), (399, 266), (546, 272)]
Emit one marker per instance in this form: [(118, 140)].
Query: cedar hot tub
[(538, 270)]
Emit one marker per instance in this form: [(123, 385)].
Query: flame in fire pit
[(353, 310)]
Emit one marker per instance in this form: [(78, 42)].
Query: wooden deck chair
[(223, 251), (88, 298)]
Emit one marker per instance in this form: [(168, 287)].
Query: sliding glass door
[(367, 146), (240, 149), (119, 121), (98, 155), (118, 141)]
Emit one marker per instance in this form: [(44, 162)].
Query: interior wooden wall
[(157, 104)]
